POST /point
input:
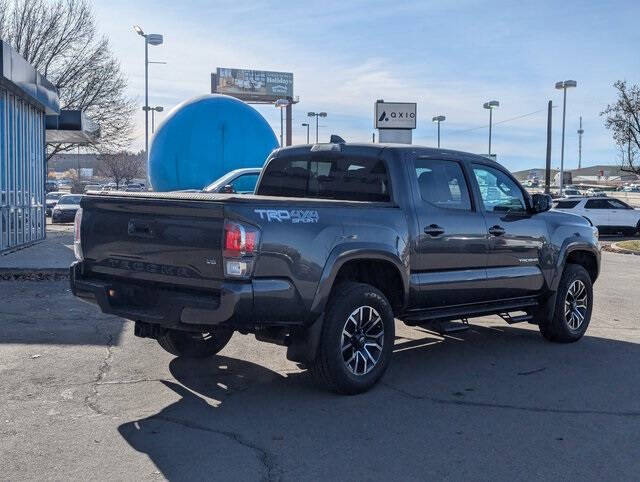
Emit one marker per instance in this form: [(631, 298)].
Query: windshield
[(53, 196), (70, 200), (244, 182)]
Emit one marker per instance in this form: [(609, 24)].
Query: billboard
[(252, 85), (395, 115)]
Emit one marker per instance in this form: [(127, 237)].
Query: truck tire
[(356, 343), (572, 311), (194, 345)]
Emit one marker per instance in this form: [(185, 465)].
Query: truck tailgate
[(177, 241)]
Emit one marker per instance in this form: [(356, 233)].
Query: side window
[(245, 183), (442, 184), (498, 191), (597, 204)]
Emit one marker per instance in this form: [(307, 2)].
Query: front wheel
[(357, 339), (574, 303), (194, 345)]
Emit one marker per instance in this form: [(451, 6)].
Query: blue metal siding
[(22, 172)]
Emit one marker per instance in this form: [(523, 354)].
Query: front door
[(516, 237), (450, 251)]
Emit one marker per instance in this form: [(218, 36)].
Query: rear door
[(516, 237), (597, 210), (448, 266)]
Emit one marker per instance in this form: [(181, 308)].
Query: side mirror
[(228, 189), (541, 203)]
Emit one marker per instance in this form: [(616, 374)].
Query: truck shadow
[(237, 420)]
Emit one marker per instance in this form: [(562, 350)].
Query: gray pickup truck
[(338, 241)]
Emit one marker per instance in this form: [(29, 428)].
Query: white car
[(608, 214), (572, 193)]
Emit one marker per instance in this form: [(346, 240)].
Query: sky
[(448, 56)]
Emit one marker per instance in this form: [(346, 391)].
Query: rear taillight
[(239, 248), (77, 241)]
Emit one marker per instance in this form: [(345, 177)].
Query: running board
[(418, 317), (515, 319)]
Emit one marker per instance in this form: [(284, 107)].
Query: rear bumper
[(236, 304)]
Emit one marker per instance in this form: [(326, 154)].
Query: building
[(25, 98)]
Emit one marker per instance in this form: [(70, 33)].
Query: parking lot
[(82, 398)]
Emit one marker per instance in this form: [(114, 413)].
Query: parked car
[(572, 193), (608, 214), (238, 181), (52, 199), (338, 240), (133, 188), (51, 186), (65, 210), (92, 187)]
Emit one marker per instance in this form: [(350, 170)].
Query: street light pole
[(306, 124), (316, 115), (153, 39), (580, 132), (491, 105), (439, 119), (158, 108), (563, 85)]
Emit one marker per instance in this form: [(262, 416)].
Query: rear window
[(567, 204), (340, 178)]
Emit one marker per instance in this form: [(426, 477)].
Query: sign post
[(395, 121)]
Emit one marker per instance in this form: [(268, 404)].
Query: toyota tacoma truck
[(337, 242)]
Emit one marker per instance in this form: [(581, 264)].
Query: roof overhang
[(20, 77), (71, 127)]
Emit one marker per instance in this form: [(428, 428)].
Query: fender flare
[(344, 253), (565, 251)]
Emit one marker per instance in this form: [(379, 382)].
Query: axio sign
[(395, 115)]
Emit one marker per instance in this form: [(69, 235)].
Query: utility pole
[(547, 171), (580, 132)]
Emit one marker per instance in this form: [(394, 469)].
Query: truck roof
[(375, 149)]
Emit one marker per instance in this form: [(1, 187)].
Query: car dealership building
[(26, 97)]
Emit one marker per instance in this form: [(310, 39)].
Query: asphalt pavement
[(83, 399)]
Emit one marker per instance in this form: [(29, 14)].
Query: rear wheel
[(194, 345), (572, 312), (357, 339)]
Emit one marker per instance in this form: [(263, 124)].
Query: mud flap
[(305, 342)]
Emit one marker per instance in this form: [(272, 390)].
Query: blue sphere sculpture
[(204, 138)]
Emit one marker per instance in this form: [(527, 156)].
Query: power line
[(503, 121)]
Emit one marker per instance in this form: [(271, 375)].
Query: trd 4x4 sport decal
[(294, 216)]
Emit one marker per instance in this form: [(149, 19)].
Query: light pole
[(316, 115), (153, 39), (281, 104), (439, 119), (306, 124), (491, 105), (580, 132), (155, 109), (563, 85)]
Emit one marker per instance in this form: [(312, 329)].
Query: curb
[(614, 248)]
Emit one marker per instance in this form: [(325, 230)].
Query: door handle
[(434, 230), (496, 230)]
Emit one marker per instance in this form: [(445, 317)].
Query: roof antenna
[(336, 139)]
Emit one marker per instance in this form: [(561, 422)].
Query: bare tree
[(623, 119), (59, 38), (122, 166)]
